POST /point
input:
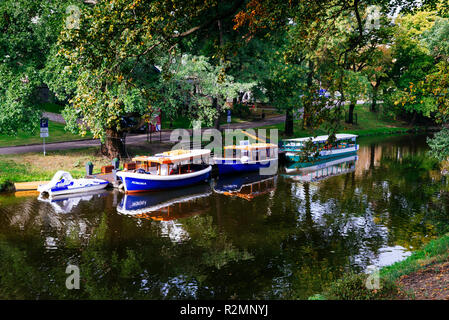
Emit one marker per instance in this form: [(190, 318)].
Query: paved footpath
[(134, 139)]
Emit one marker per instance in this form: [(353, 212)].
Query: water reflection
[(247, 186), (321, 171), (167, 205), (210, 242), (67, 202)]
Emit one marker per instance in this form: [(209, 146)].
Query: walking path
[(134, 139)]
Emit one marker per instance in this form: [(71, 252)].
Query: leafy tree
[(412, 62), (356, 85), (28, 30), (192, 84), (113, 53)]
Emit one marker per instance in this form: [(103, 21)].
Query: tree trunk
[(374, 101), (308, 104), (217, 107), (373, 154), (351, 113), (114, 146), (414, 118), (288, 122)]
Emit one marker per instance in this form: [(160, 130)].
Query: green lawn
[(56, 134), (37, 167), (51, 107), (369, 123)]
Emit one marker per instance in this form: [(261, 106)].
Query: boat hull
[(232, 166), (76, 189), (142, 182)]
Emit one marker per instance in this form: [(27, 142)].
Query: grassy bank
[(37, 167), (368, 123), (57, 133), (423, 275)]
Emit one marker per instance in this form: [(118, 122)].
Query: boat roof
[(252, 146), (338, 136), (174, 156)]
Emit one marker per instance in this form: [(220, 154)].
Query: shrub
[(353, 287), (241, 110), (439, 145), (6, 186)]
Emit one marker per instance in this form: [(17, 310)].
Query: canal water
[(280, 237)]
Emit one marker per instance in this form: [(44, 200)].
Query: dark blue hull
[(134, 184), (232, 167)]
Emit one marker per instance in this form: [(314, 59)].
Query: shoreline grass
[(353, 286), (35, 166)]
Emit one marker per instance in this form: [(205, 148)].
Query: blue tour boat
[(247, 157), (167, 170), (345, 145)]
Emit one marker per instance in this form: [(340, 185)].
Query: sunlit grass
[(368, 123), (36, 166), (57, 133)]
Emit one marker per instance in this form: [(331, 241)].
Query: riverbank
[(423, 275), (35, 166)]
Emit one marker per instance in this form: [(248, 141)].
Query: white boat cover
[(60, 179)]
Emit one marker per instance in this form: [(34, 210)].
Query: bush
[(353, 287), (7, 186), (439, 145), (241, 110)]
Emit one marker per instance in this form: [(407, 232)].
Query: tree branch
[(210, 22)]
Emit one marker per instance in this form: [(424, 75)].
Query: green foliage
[(28, 30), (437, 38), (353, 287), (439, 145), (190, 83), (113, 55), (241, 110)]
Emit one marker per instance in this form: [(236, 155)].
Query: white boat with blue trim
[(63, 183), (167, 170), (344, 145)]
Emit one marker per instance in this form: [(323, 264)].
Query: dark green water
[(285, 240)]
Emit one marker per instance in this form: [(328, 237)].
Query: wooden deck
[(27, 186)]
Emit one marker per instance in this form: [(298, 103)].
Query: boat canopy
[(60, 179), (339, 137), (174, 156), (253, 146)]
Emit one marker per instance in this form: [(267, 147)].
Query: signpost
[(44, 130), (229, 117)]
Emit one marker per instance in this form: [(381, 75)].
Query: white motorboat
[(63, 183)]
